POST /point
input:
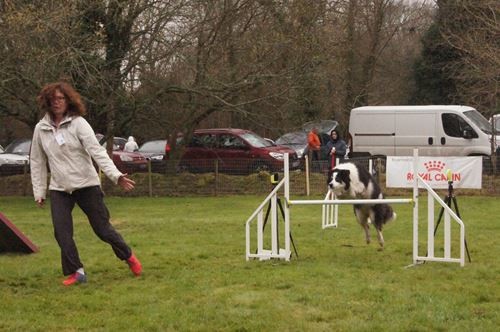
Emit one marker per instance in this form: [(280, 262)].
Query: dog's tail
[(384, 213), (394, 216)]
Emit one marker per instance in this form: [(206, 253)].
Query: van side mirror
[(468, 133)]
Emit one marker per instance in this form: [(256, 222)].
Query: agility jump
[(284, 253)]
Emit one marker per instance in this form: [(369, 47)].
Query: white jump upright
[(330, 214), (272, 198)]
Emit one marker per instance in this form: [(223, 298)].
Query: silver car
[(15, 158), (296, 140)]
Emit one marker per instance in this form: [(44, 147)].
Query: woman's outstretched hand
[(126, 183)]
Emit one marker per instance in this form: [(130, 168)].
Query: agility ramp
[(275, 252), (12, 239)]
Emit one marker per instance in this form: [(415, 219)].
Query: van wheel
[(260, 166)]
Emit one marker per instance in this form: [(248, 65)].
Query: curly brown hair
[(74, 100)]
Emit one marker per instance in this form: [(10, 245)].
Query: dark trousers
[(91, 201), (314, 155), (314, 158)]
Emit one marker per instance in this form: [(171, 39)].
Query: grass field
[(196, 277)]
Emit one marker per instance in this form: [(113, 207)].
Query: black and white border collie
[(350, 180)]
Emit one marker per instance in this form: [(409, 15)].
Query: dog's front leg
[(363, 221), (367, 232), (380, 238)]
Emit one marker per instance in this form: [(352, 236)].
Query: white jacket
[(69, 151), (131, 145)]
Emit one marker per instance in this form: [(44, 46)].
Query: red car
[(234, 151), (126, 162)]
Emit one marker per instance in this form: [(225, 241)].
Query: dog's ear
[(346, 178), (346, 173)]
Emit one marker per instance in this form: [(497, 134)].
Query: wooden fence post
[(216, 185), (25, 178), (150, 180)]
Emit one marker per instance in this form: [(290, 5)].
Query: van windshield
[(255, 140), (479, 121)]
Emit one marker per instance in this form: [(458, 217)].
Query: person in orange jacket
[(314, 144)]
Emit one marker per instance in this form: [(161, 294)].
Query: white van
[(435, 130)]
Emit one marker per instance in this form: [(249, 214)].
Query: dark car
[(296, 140), (234, 151), (15, 158), (157, 152), (126, 162)]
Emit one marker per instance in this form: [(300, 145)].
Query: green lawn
[(196, 277)]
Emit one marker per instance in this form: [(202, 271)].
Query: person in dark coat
[(337, 148)]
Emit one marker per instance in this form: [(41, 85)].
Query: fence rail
[(216, 180)]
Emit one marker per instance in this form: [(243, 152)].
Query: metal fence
[(212, 181)]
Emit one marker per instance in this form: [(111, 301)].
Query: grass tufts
[(196, 277)]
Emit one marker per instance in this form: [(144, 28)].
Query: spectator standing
[(131, 145), (337, 148), (314, 144)]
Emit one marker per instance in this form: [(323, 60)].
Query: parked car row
[(229, 150), (16, 156)]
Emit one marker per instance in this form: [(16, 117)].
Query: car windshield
[(294, 138), (255, 140), (324, 126), (153, 147), (118, 142), (479, 121), (19, 147)]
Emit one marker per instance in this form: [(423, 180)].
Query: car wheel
[(182, 168), (260, 166)]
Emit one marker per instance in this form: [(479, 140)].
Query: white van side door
[(372, 132), (416, 130)]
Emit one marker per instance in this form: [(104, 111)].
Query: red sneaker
[(74, 278), (134, 265)]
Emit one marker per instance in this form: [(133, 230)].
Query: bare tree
[(27, 60), (86, 42), (473, 30), (157, 68)]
